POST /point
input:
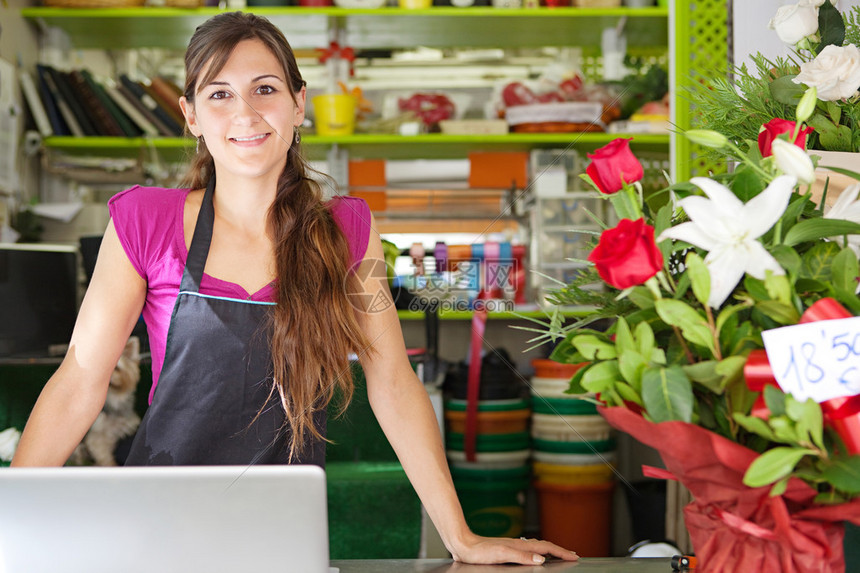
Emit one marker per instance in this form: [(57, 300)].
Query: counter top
[(584, 565)]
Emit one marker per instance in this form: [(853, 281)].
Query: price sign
[(818, 360)]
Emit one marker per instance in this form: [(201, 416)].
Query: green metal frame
[(700, 46)]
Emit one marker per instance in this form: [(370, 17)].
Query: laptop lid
[(164, 519)]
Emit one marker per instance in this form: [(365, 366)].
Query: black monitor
[(38, 298)]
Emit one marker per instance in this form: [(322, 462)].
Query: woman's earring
[(199, 139), (298, 136)]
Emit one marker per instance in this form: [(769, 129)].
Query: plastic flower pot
[(335, 114)]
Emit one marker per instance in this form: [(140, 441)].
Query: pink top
[(149, 223)]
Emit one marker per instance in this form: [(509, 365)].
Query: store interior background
[(20, 43)]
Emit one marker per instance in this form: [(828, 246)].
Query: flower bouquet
[(824, 56), (698, 279)]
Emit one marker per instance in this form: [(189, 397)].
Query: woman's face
[(246, 114)]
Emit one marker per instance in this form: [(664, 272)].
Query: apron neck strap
[(200, 241)]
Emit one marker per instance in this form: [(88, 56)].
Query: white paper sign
[(818, 360)]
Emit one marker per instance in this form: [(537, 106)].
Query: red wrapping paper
[(735, 528)]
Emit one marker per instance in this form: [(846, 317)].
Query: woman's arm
[(404, 411), (75, 394)]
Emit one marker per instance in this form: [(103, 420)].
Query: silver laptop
[(164, 519)]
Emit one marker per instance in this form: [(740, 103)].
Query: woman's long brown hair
[(314, 328)]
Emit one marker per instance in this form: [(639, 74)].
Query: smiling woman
[(245, 280)]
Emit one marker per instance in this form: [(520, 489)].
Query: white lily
[(847, 207), (729, 229)]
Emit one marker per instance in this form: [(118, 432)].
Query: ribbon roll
[(416, 251), (440, 252), (458, 254), (478, 251)]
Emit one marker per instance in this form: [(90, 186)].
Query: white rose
[(8, 443), (835, 72), (816, 3), (792, 160), (795, 22)]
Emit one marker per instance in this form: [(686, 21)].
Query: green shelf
[(467, 315), (371, 146), (383, 28)]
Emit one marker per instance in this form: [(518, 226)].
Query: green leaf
[(787, 259), (667, 394), (623, 337), (774, 399), (756, 288), (601, 376), (778, 311), (631, 364), (628, 393), (682, 287), (693, 326), (778, 288), (624, 207), (755, 425), (809, 418), (747, 183), (641, 297), (815, 229), (644, 337), (831, 28), (839, 139), (726, 313), (793, 211), (591, 182), (818, 261), (731, 369), (663, 219), (704, 373), (810, 285), (773, 465), (785, 91), (779, 487), (842, 171), (834, 111), (593, 348), (565, 352), (785, 430), (845, 270), (844, 474), (700, 278), (576, 383), (821, 124)]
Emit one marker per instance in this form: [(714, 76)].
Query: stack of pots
[(492, 479), (573, 457)]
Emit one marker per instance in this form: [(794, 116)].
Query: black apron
[(215, 380)]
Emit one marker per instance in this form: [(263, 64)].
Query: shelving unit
[(515, 315), (373, 146), (647, 31), (107, 28)]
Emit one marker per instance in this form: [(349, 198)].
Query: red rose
[(776, 127), (627, 255), (612, 165)]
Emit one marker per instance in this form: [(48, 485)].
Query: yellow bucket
[(572, 475), (335, 114)]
